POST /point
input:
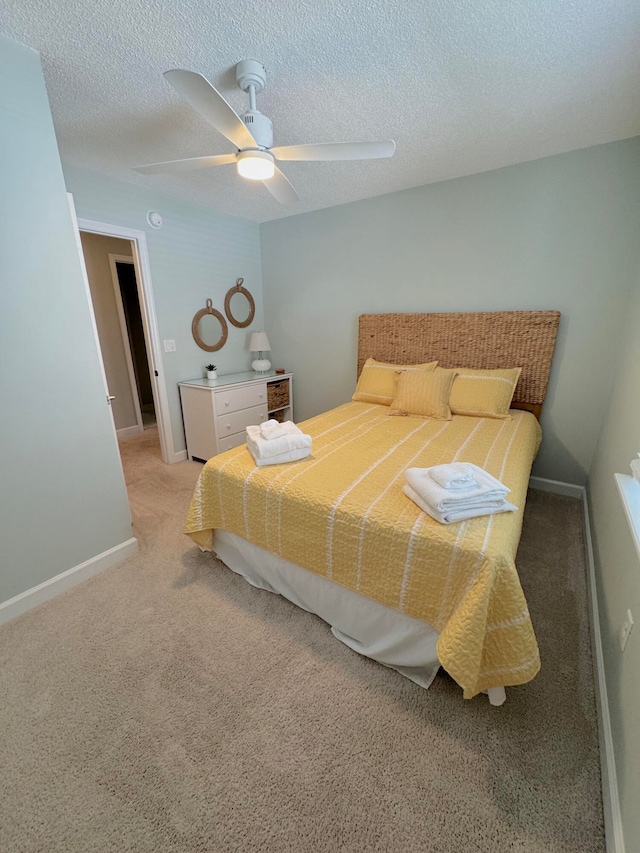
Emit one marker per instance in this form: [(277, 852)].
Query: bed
[(336, 535)]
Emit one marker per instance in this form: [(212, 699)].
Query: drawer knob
[(226, 402), (228, 426), (261, 395)]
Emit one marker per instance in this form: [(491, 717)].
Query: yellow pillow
[(423, 394), (377, 380), (484, 393)]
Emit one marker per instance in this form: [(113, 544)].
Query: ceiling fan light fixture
[(256, 165)]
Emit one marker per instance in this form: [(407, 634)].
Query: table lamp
[(260, 343)]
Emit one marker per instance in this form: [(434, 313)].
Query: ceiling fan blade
[(171, 166), (335, 151), (202, 96), (280, 188)]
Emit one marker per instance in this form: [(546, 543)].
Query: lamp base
[(261, 365)]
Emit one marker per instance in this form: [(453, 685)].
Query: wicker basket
[(277, 394), (278, 416)]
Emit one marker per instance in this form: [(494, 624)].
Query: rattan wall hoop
[(241, 324), (195, 328)]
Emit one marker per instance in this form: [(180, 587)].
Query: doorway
[(125, 288), (136, 248), (113, 288)]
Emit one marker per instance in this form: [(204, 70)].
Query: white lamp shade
[(259, 342)]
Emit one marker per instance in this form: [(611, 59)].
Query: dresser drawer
[(237, 421), (241, 398), (232, 441)]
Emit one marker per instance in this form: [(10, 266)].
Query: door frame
[(150, 327), (124, 329)]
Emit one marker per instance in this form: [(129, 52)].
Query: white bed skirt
[(398, 641)]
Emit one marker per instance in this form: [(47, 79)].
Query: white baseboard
[(125, 432), (65, 580), (610, 796), (178, 456), (569, 490)]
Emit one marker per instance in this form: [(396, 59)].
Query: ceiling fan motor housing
[(260, 127)]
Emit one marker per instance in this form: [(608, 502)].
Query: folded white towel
[(442, 500), (274, 429), (455, 475), (262, 448), (280, 458), (463, 506), (453, 515)]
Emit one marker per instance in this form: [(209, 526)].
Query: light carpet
[(166, 705)]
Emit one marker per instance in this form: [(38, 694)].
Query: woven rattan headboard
[(487, 339)]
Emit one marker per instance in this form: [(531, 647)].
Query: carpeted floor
[(166, 705)]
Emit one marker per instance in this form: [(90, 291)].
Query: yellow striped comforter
[(342, 514)]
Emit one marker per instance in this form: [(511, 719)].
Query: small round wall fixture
[(154, 219), (205, 336), (241, 324)]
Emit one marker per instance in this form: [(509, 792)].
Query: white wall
[(554, 233), (195, 256), (61, 490), (618, 567), (96, 249)]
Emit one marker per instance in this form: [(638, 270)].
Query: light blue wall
[(195, 256), (554, 233), (61, 487), (618, 566)]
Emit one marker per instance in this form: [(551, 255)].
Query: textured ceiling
[(461, 85)]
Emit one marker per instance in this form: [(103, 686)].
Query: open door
[(126, 293), (108, 396)]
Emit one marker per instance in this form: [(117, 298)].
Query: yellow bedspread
[(342, 514)]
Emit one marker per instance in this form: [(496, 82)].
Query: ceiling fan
[(252, 134)]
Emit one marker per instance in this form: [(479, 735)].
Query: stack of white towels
[(456, 491), (273, 443)]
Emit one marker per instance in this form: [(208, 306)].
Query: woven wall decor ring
[(195, 328), (241, 324)]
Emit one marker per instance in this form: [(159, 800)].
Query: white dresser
[(216, 412)]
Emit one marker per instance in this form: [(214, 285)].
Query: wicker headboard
[(487, 339)]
